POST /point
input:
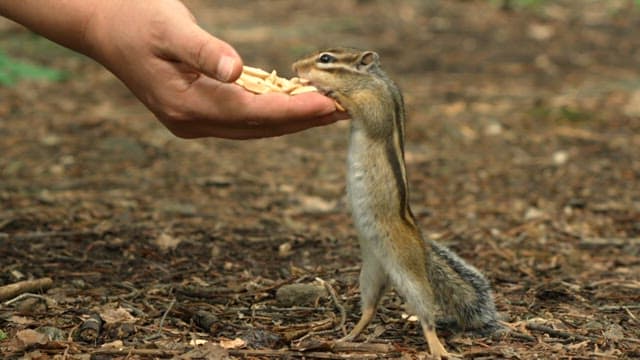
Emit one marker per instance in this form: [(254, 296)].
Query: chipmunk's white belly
[(370, 188)]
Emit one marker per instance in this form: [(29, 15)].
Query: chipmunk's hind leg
[(410, 280), (373, 284)]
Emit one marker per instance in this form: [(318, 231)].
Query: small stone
[(166, 242), (284, 249), (315, 205), (593, 325), (533, 213), (541, 32), (53, 333), (50, 140), (79, 284), (614, 332), (560, 157), (299, 294), (260, 339), (493, 129), (632, 108)]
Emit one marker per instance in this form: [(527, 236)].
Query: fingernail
[(225, 68)]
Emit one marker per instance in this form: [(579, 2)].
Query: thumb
[(207, 54)]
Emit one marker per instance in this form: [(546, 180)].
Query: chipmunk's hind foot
[(436, 349), (365, 319)]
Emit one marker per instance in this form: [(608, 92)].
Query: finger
[(235, 107), (280, 109), (205, 53), (198, 129)]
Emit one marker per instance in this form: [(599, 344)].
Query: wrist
[(98, 30), (63, 22)]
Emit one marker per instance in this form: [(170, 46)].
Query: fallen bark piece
[(90, 329), (15, 289), (343, 346)]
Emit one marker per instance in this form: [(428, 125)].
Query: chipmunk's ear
[(368, 59)]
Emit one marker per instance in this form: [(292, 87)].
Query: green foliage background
[(13, 70)]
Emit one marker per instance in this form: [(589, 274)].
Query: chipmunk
[(394, 252)]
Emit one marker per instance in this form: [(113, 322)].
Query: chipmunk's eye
[(326, 59)]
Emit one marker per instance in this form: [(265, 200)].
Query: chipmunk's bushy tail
[(462, 293)]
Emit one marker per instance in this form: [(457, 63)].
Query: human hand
[(182, 74)]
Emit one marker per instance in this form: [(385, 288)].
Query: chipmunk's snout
[(308, 74)]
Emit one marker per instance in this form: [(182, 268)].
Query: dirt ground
[(522, 155)]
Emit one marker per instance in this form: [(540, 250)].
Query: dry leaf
[(315, 204), (119, 315), (167, 242), (30, 337), (410, 318), (20, 320), (232, 344), (117, 344), (197, 342), (206, 351)]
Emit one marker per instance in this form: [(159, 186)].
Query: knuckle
[(200, 51)]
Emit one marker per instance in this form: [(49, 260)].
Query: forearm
[(62, 21), (176, 68)]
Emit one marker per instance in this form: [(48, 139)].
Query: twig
[(274, 353), (361, 347), (164, 316), (343, 313), (558, 333), (592, 242), (143, 352), (327, 355), (282, 354), (619, 307), (298, 308), (71, 233), (15, 289), (631, 315), (334, 297), (66, 352), (206, 293), (301, 331), (47, 234), (28, 295), (603, 355)]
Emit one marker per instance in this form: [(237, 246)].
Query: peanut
[(259, 81)]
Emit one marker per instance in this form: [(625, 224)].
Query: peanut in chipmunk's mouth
[(332, 95), (321, 89)]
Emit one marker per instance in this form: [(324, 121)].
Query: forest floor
[(522, 152)]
